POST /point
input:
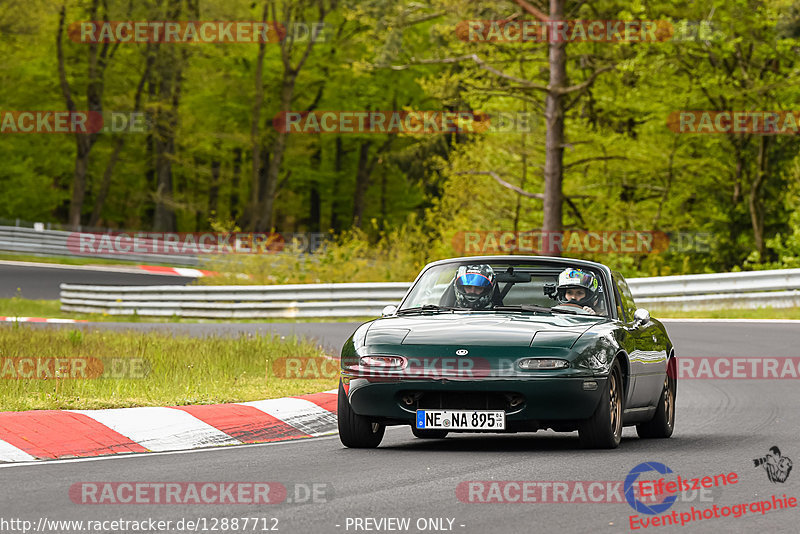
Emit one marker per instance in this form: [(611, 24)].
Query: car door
[(647, 361)]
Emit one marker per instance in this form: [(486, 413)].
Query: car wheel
[(356, 431), (603, 430), (663, 421), (428, 434)]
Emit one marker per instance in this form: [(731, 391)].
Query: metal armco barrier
[(298, 300), (54, 243), (752, 289)]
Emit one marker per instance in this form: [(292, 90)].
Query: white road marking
[(9, 453), (302, 414), (327, 435), (186, 271), (129, 270), (160, 429), (39, 320)]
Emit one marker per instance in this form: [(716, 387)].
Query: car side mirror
[(388, 310), (641, 317)]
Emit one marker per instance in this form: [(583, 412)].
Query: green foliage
[(393, 256), (624, 168)]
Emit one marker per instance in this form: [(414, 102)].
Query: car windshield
[(519, 286)]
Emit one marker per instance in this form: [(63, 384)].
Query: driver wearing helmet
[(578, 288), (474, 286)]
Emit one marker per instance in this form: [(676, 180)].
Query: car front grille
[(462, 400)]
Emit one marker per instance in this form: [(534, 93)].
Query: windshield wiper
[(574, 311), (430, 308), (523, 307), (564, 310)]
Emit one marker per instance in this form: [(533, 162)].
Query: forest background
[(213, 159)]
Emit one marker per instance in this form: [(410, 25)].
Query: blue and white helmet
[(577, 279), (474, 285)]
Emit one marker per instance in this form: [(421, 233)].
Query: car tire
[(603, 430), (356, 431), (663, 422), (429, 434)]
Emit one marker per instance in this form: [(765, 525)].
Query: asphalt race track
[(721, 426), (42, 283)]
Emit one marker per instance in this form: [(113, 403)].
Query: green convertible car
[(510, 344)]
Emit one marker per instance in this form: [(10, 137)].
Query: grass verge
[(20, 307), (69, 260), (733, 313), (157, 369)]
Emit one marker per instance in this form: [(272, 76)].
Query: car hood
[(499, 329)]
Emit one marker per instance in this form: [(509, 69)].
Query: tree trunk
[(278, 149), (255, 135), (237, 170), (83, 146), (96, 60), (362, 182), (554, 139), (337, 168), (754, 200), (164, 217), (118, 144), (384, 199), (315, 201), (290, 73), (213, 188), (105, 185)]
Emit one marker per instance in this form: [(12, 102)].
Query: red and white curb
[(177, 271), (39, 320), (185, 271), (53, 434)]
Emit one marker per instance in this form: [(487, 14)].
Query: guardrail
[(752, 289), (242, 302), (40, 242)]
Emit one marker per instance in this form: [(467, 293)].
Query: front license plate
[(461, 419)]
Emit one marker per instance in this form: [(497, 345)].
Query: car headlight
[(540, 363), (384, 362)]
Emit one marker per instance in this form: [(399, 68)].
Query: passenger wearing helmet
[(578, 288), (474, 286)]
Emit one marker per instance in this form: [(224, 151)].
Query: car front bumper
[(544, 400)]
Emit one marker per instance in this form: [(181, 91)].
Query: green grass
[(180, 370), (20, 307), (67, 260), (760, 313)]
